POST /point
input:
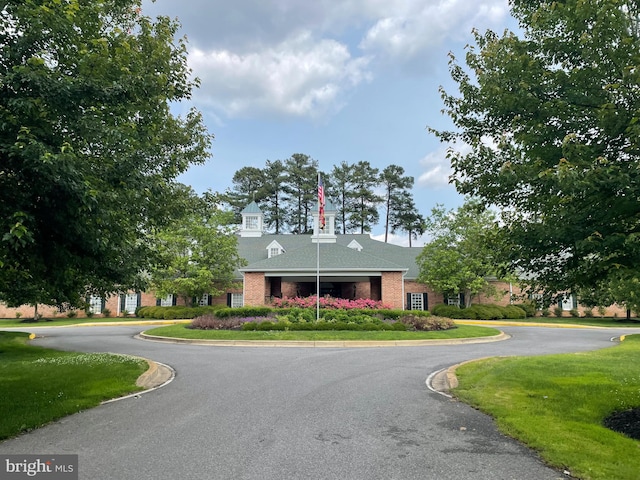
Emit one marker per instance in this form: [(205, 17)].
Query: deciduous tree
[(464, 251), (89, 148), (197, 254), (553, 122)]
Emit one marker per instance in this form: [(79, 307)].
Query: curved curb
[(442, 381), (157, 376), (322, 343)]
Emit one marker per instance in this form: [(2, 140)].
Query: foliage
[(89, 148), (212, 322), (181, 331), (551, 121), (363, 214), (529, 308), (557, 311), (464, 251), (480, 312), (197, 255), (397, 198), (426, 323), (328, 302), (175, 312)]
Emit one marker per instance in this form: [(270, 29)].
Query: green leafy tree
[(396, 195), (363, 212), (408, 219), (197, 255), (553, 122), (248, 186), (302, 188), (89, 149), (273, 196), (338, 191), (463, 253)]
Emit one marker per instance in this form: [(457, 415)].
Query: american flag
[(321, 203)]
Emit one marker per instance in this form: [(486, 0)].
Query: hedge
[(480, 312)]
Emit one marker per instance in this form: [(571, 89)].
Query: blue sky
[(338, 80)]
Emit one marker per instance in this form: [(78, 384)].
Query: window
[(274, 249), (167, 301), (236, 300), (454, 300), (417, 301), (204, 301), (95, 304), (129, 302), (251, 222)]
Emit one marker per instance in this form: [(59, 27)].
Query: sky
[(338, 80)]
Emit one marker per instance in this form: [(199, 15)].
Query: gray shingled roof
[(300, 254)]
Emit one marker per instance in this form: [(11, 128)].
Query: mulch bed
[(626, 422)]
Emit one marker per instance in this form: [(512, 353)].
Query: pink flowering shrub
[(330, 303)]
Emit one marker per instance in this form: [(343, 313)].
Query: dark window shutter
[(210, 300), (158, 300), (408, 307), (139, 300), (228, 299), (122, 300), (103, 304), (174, 299), (462, 302), (575, 301), (425, 301)]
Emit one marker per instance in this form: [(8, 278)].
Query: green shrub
[(451, 311), (422, 323), (557, 311), (574, 313), (72, 314), (528, 307), (588, 312), (106, 312), (545, 312), (244, 312), (515, 312)]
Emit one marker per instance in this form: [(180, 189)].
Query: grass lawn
[(556, 404), (181, 331), (591, 321), (62, 321), (39, 385)]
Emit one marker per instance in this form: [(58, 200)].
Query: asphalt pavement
[(295, 413)]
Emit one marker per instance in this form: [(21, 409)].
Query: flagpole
[(318, 256)]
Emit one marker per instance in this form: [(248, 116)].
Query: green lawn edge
[(181, 331), (40, 385), (556, 404)]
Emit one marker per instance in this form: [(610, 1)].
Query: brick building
[(350, 266)]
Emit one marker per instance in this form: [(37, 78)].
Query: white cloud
[(437, 170), (301, 59), (417, 30), (301, 77)]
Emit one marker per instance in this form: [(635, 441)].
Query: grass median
[(39, 385), (181, 331), (556, 404)]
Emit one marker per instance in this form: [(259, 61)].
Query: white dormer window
[(274, 249), (252, 222), (355, 245)]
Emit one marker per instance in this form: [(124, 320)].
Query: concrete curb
[(323, 344), (157, 376), (443, 381)]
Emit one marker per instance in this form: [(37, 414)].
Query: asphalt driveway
[(295, 413)]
